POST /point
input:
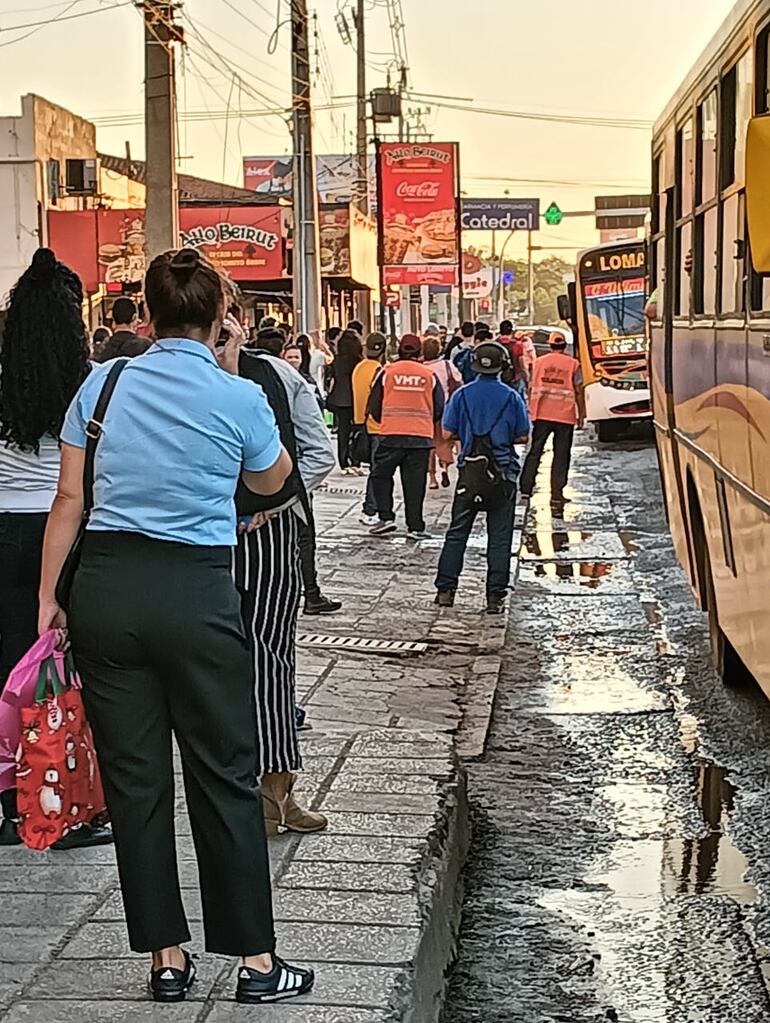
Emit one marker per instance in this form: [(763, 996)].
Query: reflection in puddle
[(711, 865), (546, 543), (654, 615), (599, 682), (585, 573), (628, 541)]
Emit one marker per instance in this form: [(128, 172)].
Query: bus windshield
[(615, 317)]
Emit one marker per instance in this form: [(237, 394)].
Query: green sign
[(553, 215)]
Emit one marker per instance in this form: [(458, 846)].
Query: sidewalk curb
[(420, 991)]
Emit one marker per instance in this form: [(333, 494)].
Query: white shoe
[(368, 520)]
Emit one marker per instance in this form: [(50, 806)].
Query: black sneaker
[(383, 529), (171, 985), (445, 598), (9, 832), (321, 605), (495, 605), (283, 981), (84, 837)]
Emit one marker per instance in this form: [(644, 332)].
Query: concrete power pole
[(307, 267), (363, 169), (162, 205)]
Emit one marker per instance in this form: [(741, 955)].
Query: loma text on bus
[(223, 234)]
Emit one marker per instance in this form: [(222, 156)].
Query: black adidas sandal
[(283, 981), (171, 985)]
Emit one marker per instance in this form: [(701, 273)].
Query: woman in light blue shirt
[(155, 625)]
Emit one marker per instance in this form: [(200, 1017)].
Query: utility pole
[(530, 278), (307, 269), (162, 205), (363, 169)]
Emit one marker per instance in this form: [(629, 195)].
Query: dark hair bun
[(184, 263), (43, 265)]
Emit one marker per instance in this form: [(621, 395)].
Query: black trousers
[(562, 455), (413, 466), (157, 635), (344, 418), (21, 550), (307, 554)]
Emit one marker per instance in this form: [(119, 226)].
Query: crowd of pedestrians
[(191, 449)]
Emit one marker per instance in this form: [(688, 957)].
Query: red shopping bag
[(57, 775)]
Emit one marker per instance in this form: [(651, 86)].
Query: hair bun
[(43, 265), (184, 263)]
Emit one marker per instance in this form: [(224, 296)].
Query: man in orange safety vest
[(555, 406)]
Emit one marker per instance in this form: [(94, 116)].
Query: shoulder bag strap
[(94, 431)]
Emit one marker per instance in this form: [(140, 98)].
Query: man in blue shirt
[(485, 409)]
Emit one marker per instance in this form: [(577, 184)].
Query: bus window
[(683, 250), (735, 114), (706, 153), (732, 296), (684, 162), (762, 91), (705, 263)]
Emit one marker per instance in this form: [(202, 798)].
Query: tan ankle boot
[(282, 811)]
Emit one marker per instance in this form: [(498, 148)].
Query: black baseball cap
[(489, 358)]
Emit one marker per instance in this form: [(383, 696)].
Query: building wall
[(43, 132)]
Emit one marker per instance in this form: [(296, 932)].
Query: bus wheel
[(609, 430)]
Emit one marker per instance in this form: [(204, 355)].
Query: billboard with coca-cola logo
[(419, 230)]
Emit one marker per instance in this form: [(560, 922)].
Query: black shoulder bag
[(480, 480), (93, 433)]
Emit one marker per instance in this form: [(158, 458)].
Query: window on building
[(706, 157), (684, 166)]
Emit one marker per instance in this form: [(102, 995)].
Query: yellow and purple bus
[(710, 335)]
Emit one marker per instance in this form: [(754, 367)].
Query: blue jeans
[(499, 540), (370, 502)]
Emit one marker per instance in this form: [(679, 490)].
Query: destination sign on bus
[(623, 345), (614, 262), (608, 289)]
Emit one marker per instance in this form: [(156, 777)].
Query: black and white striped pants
[(267, 575)]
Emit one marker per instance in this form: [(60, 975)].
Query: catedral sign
[(107, 246), (417, 210)]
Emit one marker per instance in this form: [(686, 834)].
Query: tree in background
[(550, 274)]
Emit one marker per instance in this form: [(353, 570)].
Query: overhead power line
[(532, 115), (57, 19)]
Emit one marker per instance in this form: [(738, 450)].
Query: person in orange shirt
[(556, 407), (407, 401), (363, 377)]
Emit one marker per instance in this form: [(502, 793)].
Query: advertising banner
[(419, 232), (336, 177), (500, 214), (107, 246)]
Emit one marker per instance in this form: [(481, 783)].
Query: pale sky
[(595, 58)]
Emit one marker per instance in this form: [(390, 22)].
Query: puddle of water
[(654, 615), (712, 864), (629, 541), (546, 543), (586, 573), (592, 682)]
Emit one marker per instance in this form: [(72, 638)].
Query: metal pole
[(307, 269), (162, 206), (500, 294), (530, 278)]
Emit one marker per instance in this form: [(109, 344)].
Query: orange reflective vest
[(553, 389), (407, 400)]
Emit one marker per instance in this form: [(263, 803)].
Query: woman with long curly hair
[(43, 361)]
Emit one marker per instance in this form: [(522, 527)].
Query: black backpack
[(481, 479)]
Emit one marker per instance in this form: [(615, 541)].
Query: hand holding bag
[(93, 432), (57, 775)]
